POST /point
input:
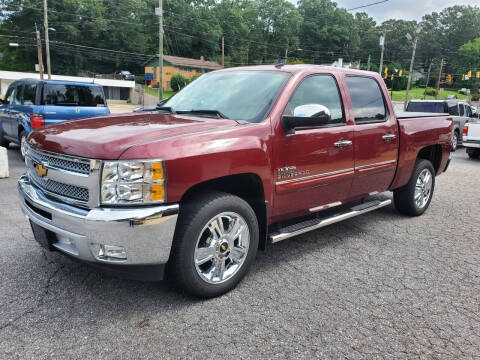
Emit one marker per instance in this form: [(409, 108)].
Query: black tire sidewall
[(185, 242)]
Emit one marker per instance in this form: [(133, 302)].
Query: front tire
[(215, 243), (22, 138), (414, 198), (455, 138)]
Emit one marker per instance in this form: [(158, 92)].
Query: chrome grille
[(69, 179), (81, 166), (57, 188)]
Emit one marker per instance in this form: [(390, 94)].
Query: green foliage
[(255, 32), (430, 91), (178, 82)]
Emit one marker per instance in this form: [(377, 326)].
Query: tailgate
[(473, 132)]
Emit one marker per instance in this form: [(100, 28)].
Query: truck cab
[(30, 104)]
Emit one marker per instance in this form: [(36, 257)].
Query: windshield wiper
[(204, 112), (165, 108)]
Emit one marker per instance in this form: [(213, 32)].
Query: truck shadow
[(101, 289)]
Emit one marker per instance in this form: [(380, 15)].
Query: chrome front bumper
[(145, 233)]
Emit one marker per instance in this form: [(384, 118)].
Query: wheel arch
[(432, 153), (247, 186)]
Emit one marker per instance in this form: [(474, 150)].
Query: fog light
[(109, 252)]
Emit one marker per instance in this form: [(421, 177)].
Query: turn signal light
[(37, 120), (465, 130)]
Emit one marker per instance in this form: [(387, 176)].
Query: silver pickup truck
[(460, 111)]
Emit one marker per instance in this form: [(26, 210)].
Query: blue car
[(30, 104)]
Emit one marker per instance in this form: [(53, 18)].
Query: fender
[(197, 158)]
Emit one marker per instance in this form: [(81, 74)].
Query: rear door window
[(453, 109), (462, 109), (29, 92), (73, 95), (367, 100)]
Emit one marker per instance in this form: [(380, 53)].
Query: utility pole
[(39, 48), (368, 63), (160, 50), (382, 44), (47, 41), (223, 51), (439, 78), (428, 79), (411, 69)]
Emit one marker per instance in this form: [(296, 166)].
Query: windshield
[(238, 95), (425, 106), (73, 95)]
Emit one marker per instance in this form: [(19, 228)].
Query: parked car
[(471, 138), (238, 160), (461, 112), (30, 104), (124, 75)]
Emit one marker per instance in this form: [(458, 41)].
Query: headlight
[(133, 182)]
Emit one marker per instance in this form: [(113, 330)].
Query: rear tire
[(215, 243), (414, 198), (473, 153)]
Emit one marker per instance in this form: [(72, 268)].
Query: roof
[(188, 62), (59, 82), (304, 68), (14, 75)]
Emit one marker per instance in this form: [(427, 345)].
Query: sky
[(402, 9)]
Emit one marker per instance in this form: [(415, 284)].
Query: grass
[(154, 92), (417, 93)]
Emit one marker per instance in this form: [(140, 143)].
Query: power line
[(367, 5)]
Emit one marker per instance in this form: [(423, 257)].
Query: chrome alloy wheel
[(222, 247), (23, 146), (455, 141), (423, 188)]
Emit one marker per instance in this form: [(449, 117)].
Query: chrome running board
[(314, 224)]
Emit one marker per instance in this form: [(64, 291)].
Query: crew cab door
[(376, 137), (313, 167)]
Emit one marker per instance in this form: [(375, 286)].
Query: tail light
[(37, 120), (465, 130)]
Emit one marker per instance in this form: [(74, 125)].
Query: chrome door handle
[(389, 137), (343, 143)]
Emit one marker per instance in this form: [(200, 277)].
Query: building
[(174, 64), (114, 89)]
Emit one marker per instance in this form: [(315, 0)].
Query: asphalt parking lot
[(380, 285)]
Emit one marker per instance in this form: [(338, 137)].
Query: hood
[(107, 137)]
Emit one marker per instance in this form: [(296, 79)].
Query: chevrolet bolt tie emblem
[(41, 170)]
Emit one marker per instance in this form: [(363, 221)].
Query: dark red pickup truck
[(239, 159)]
